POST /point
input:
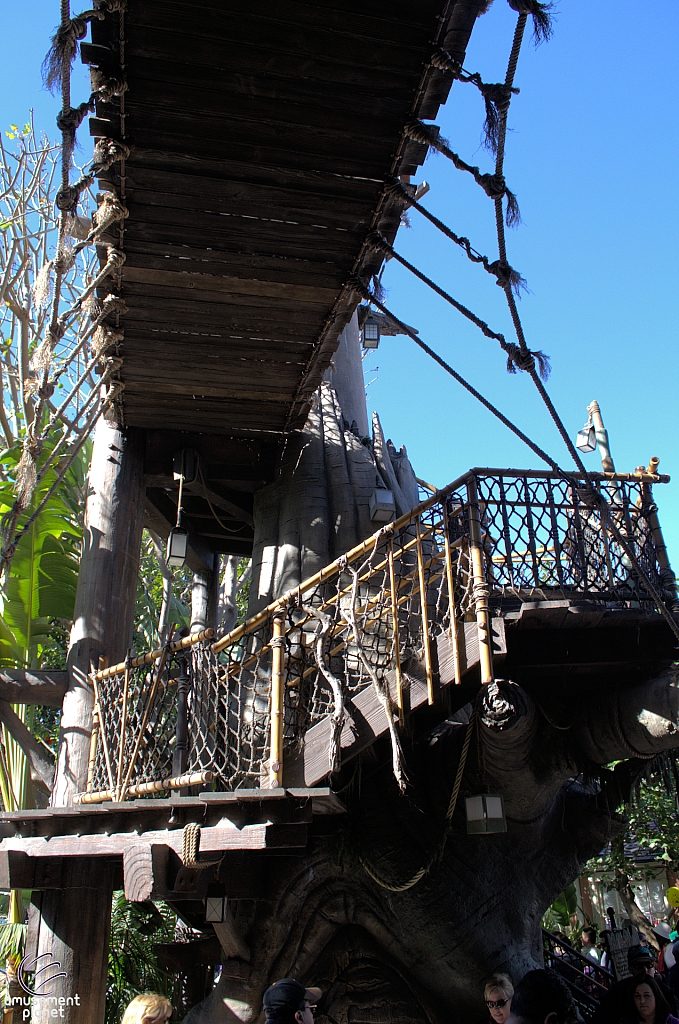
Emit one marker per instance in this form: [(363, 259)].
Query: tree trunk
[(103, 620)]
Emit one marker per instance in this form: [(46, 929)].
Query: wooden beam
[(212, 840), (40, 764), (178, 282), (25, 687)]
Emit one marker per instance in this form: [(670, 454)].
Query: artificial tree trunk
[(384, 950), (415, 955)]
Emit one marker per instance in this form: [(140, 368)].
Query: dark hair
[(662, 1007), (591, 932), (540, 993)]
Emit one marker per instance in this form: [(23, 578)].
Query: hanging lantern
[(485, 813), (586, 439), (382, 505), (177, 543), (371, 332), (215, 904)]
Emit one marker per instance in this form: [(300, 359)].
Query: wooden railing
[(228, 712)]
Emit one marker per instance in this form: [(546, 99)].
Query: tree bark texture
[(318, 508), (107, 587), (412, 956)]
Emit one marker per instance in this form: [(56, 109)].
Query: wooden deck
[(262, 136)]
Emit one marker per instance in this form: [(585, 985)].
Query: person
[(589, 948), (673, 973), (148, 1008), (498, 995), (541, 997), (648, 1004), (615, 1004), (288, 1002)]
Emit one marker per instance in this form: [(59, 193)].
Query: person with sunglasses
[(498, 995), (288, 1002)]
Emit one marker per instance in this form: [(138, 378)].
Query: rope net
[(363, 622)]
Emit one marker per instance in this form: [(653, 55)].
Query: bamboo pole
[(277, 702), (123, 729), (662, 558), (331, 569), (454, 635), (144, 788), (104, 738), (423, 613), (94, 742), (394, 631), (146, 659), (483, 620)]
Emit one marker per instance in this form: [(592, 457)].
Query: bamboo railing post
[(94, 742), (394, 630), (277, 701), (666, 572), (480, 592), (123, 729), (454, 635), (426, 643)]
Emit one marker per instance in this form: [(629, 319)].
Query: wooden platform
[(262, 136)]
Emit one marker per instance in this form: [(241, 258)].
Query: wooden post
[(107, 589), (73, 931), (426, 643), (205, 598), (662, 558), (483, 619), (454, 634), (277, 702), (74, 927), (394, 629)]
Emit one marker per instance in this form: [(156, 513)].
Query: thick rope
[(191, 848), (437, 855)]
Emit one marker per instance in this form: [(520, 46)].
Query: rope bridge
[(227, 713)]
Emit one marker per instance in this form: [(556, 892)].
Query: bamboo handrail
[(328, 571), (146, 659), (394, 630), (645, 477), (142, 788)]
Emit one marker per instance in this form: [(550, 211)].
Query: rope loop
[(69, 121), (191, 848), (108, 152), (277, 642)]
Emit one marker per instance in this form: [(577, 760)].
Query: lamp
[(382, 505), (177, 543), (485, 813), (215, 904), (371, 332), (586, 439)]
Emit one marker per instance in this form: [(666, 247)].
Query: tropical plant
[(132, 965)]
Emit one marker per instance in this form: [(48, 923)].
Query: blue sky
[(591, 156)]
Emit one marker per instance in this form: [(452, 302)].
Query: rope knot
[(506, 276), (68, 121), (67, 199), (107, 152), (62, 264), (354, 282), (422, 133), (115, 257), (402, 193), (378, 241), (277, 642), (444, 62), (526, 361)]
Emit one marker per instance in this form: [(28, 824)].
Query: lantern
[(177, 543), (215, 904), (485, 813), (382, 505), (586, 439), (371, 332)]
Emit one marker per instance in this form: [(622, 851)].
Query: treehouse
[(490, 640)]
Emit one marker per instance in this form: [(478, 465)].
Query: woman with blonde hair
[(498, 995), (148, 1008)]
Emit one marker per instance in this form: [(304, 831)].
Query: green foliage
[(558, 916), (42, 581), (653, 826), (150, 597), (132, 965)]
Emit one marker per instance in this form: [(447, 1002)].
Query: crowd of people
[(541, 997)]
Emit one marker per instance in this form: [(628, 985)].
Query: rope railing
[(233, 709)]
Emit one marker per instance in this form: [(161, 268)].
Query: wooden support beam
[(212, 840), (40, 764), (25, 687), (74, 927)]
